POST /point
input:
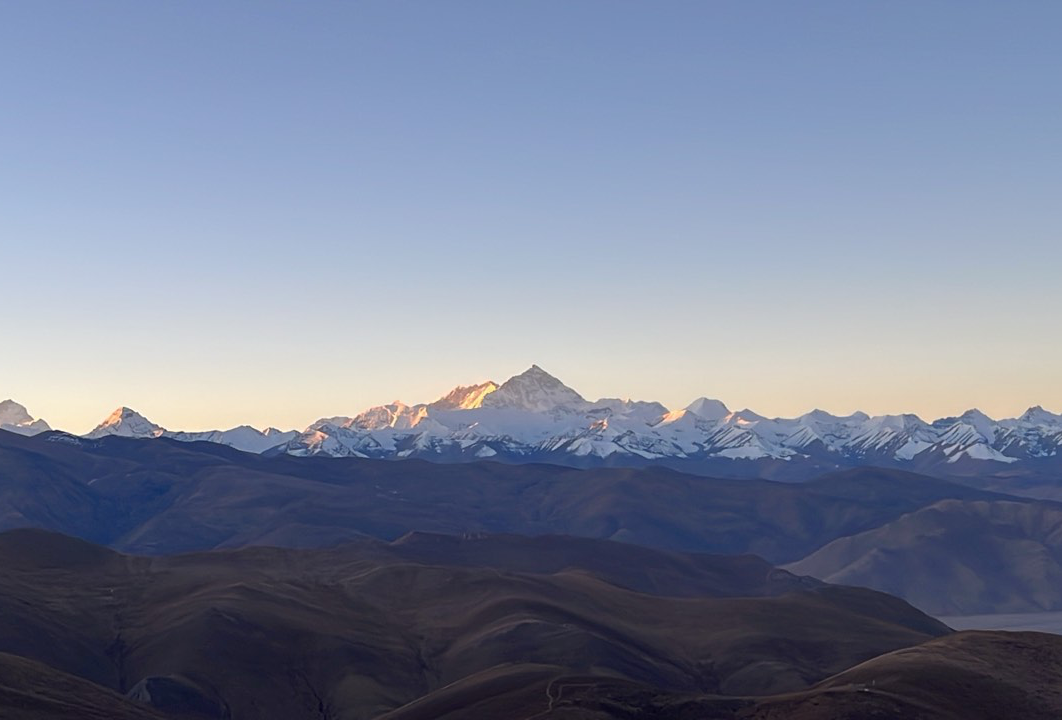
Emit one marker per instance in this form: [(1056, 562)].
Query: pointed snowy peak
[(743, 417), (125, 422), (981, 422), (11, 413), (15, 418), (975, 415), (973, 418), (708, 409), (535, 390), (1036, 415), (122, 415), (465, 397)]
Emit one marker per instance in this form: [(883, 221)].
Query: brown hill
[(965, 676), (361, 630)]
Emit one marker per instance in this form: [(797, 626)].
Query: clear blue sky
[(218, 212)]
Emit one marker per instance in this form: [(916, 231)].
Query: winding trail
[(551, 700)]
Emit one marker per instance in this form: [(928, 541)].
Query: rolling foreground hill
[(966, 676), (370, 628), (436, 627)]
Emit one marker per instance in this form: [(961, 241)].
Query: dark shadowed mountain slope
[(34, 691), (161, 496), (357, 631), (656, 572), (955, 557)]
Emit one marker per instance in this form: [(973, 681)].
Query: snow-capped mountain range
[(124, 422), (533, 416)]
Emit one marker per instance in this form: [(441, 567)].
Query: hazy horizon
[(266, 213), (733, 406)]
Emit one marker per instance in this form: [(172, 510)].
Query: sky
[(269, 212)]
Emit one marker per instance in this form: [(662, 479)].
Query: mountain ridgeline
[(534, 417)]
